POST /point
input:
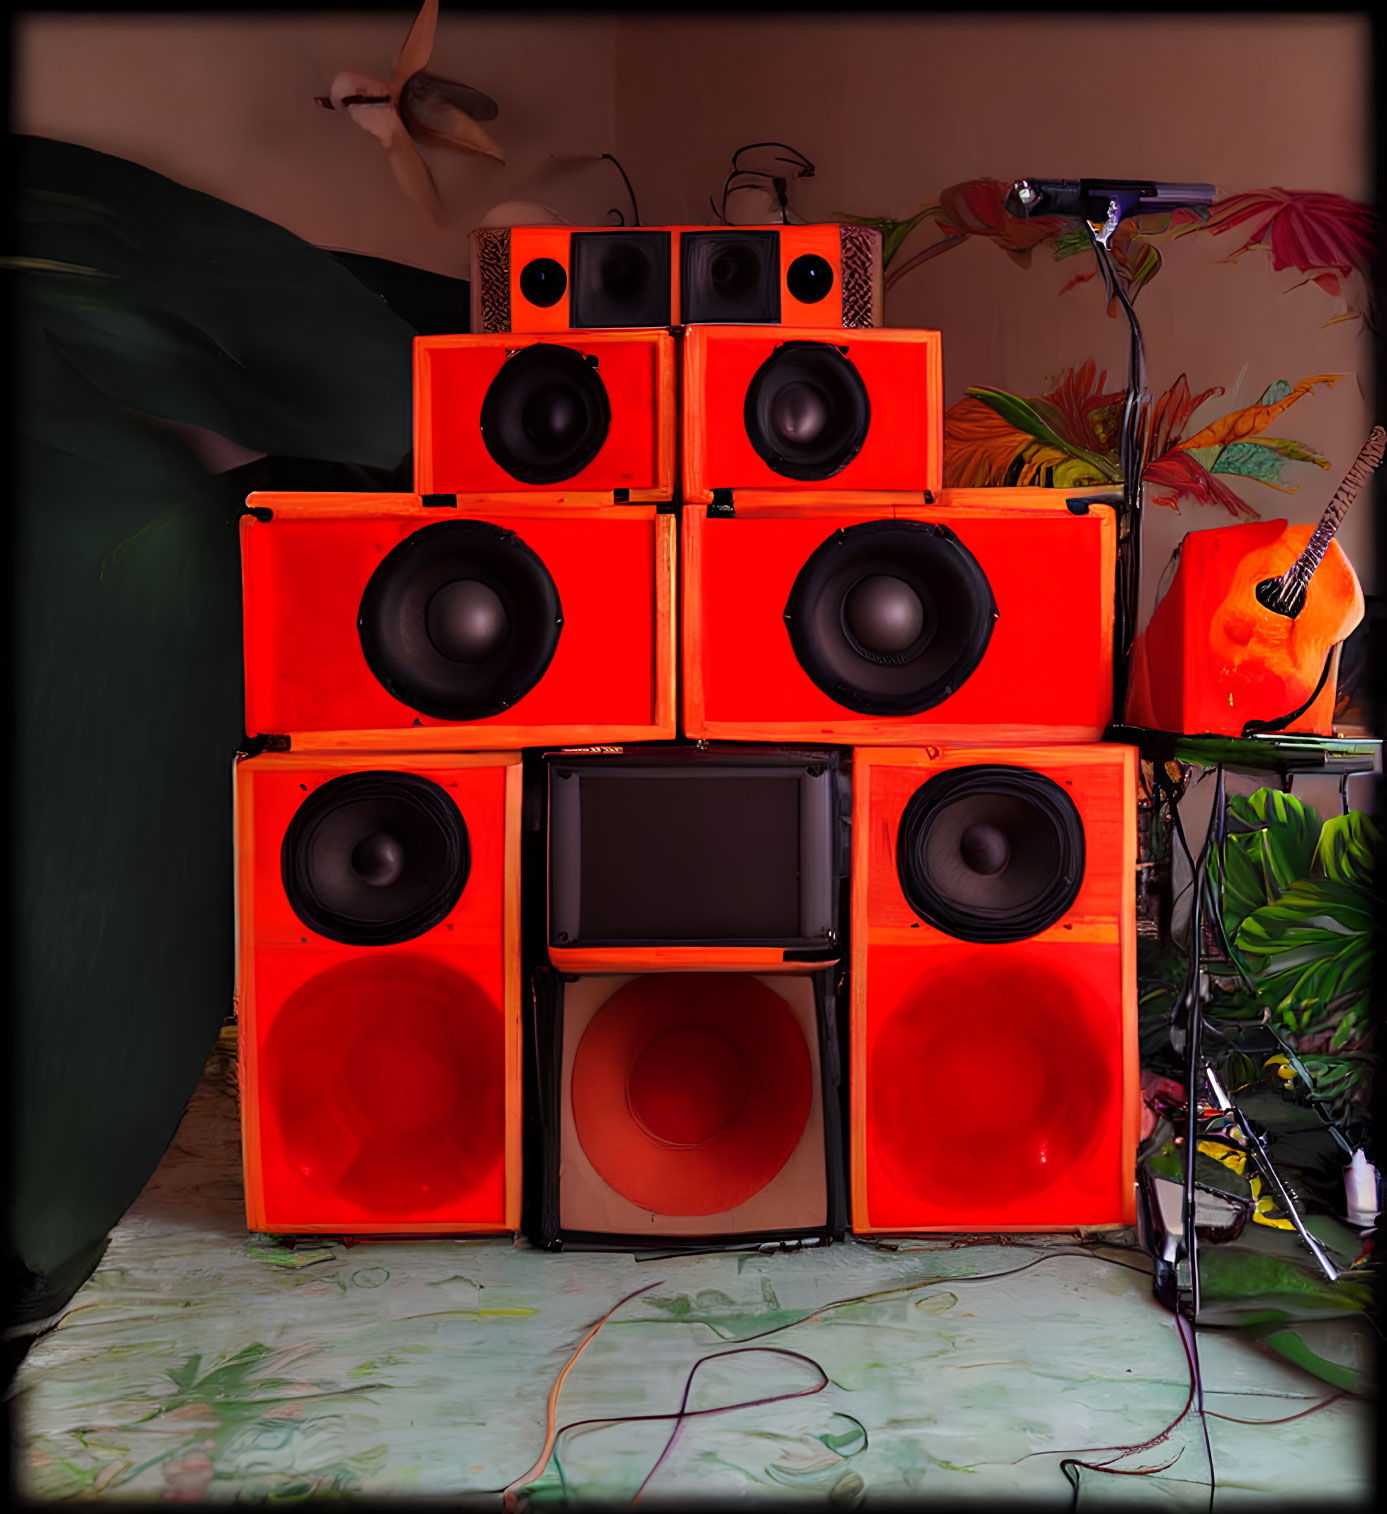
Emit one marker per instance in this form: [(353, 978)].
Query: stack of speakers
[(683, 764)]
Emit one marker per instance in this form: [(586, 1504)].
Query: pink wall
[(890, 109)]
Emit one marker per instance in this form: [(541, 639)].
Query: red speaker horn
[(688, 1109), (995, 1082), (378, 988)]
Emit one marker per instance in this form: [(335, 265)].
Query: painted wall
[(891, 109)]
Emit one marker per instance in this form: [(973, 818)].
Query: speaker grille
[(861, 253), (492, 271), (990, 853), (729, 276), (620, 278)]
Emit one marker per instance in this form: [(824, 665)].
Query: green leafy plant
[(1295, 897)]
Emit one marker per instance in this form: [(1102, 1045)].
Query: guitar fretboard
[(1291, 586)]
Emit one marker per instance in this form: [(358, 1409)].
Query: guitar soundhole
[(1267, 591)]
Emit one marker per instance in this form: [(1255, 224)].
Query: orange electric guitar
[(1247, 637)]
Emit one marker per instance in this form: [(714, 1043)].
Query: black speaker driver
[(990, 853), (620, 278), (890, 617), (546, 414), (460, 620), (807, 411), (371, 859)]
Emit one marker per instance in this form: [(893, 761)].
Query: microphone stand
[(1131, 448)]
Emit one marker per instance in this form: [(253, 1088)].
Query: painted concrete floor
[(203, 1364)]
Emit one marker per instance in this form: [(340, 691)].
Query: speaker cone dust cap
[(460, 620), (807, 412), (546, 415), (990, 853), (371, 859), (890, 617), (691, 1091)]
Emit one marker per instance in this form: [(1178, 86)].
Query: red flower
[(978, 208), (1179, 473), (1305, 229)]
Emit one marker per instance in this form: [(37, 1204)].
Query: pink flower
[(1304, 229)]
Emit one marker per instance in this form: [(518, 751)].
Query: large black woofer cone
[(546, 414), (460, 620), (890, 617), (371, 859), (807, 411), (990, 853)]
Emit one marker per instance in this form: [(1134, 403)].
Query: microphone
[(1091, 199)]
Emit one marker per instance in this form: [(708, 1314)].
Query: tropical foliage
[(1327, 237), (1068, 438)]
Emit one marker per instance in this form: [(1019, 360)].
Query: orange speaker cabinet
[(987, 615), (1213, 659), (785, 408), (995, 1079), (383, 621), (589, 412), (696, 1110), (676, 859), (378, 992), (560, 278)]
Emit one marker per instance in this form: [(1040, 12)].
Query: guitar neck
[(1296, 579)]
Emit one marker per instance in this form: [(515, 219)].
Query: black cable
[(1131, 446), (635, 210)]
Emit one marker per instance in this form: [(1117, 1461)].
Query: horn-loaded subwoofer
[(385, 620), (558, 278), (589, 413), (697, 1107), (994, 995), (778, 407), (377, 997), (854, 619)]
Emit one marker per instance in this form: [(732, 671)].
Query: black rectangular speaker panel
[(729, 275), (686, 848), (619, 279)]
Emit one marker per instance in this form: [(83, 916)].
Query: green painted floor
[(200, 1363)]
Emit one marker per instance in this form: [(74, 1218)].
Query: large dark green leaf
[(1348, 849), (1311, 951), (211, 315), (1270, 844), (128, 694)]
